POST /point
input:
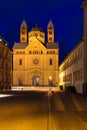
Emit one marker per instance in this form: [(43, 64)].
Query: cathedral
[(35, 61)]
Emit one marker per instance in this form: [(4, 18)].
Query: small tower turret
[(50, 32), (23, 32)]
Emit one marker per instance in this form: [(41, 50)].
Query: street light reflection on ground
[(33, 88), (5, 95)]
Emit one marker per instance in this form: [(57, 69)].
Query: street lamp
[(50, 81), (50, 78)]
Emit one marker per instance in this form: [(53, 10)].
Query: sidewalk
[(72, 101), (70, 111)]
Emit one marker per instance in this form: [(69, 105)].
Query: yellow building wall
[(26, 72), (28, 69), (40, 35)]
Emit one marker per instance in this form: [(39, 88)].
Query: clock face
[(35, 61)]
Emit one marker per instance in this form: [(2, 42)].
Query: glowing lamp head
[(50, 78)]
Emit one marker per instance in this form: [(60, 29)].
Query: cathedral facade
[(35, 62)]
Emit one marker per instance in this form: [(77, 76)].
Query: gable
[(35, 44)]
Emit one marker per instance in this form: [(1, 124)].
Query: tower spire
[(23, 32), (50, 32)]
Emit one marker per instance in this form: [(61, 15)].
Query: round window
[(35, 61)]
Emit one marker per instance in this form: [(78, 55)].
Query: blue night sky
[(67, 16)]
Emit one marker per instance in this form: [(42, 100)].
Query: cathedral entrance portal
[(35, 81)]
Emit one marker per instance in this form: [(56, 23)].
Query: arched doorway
[(36, 81), (20, 81)]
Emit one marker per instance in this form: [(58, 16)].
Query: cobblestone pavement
[(38, 111)]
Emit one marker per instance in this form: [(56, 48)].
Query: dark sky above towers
[(67, 16)]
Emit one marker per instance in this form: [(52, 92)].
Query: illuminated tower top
[(50, 24), (23, 32), (50, 32), (24, 24)]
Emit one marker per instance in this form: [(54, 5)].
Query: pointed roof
[(50, 24), (24, 24)]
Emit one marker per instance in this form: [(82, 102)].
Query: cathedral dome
[(37, 28), (36, 32)]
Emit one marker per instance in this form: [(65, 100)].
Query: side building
[(5, 65), (71, 70), (35, 62)]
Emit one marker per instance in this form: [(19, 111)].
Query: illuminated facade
[(73, 70), (5, 65), (35, 62), (84, 5)]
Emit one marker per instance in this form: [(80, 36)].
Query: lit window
[(0, 40), (5, 44)]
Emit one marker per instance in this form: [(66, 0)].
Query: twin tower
[(37, 32)]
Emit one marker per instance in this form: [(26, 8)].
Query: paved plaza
[(36, 110)]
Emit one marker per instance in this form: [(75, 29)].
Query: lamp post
[(50, 81)]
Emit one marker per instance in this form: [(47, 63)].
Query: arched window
[(41, 52), (50, 32), (20, 62), (23, 32), (50, 38), (51, 62), (23, 38)]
